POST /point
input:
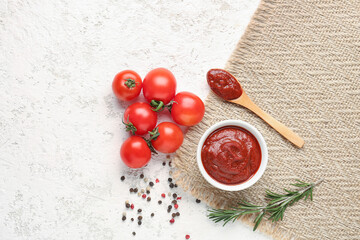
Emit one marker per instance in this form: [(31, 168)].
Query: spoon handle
[(286, 132)]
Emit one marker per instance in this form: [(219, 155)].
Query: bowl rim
[(264, 155)]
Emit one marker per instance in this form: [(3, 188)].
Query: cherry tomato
[(127, 85), (187, 109), (159, 85), (170, 138), (139, 118), (135, 152)]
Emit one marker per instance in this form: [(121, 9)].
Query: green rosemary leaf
[(258, 220), (289, 192), (275, 208), (245, 203)]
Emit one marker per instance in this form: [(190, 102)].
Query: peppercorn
[(174, 195), (124, 214), (134, 233), (169, 194), (187, 236), (132, 219), (132, 206), (173, 215), (163, 195), (142, 190), (176, 206), (159, 202), (151, 184), (143, 196), (167, 156), (169, 207), (175, 185), (198, 201), (139, 218), (139, 194), (177, 214), (148, 199), (169, 179), (122, 178), (169, 210), (174, 202), (171, 185), (123, 218), (139, 210), (164, 163), (172, 220), (152, 214), (145, 179), (141, 175), (135, 190), (170, 164), (131, 190), (127, 205), (147, 192), (139, 223)]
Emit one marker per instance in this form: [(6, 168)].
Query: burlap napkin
[(300, 62)]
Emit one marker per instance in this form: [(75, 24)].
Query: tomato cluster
[(140, 118)]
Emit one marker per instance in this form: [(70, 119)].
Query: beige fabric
[(300, 62)]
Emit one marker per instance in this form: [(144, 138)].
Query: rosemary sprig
[(276, 206)]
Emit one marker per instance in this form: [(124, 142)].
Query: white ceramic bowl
[(264, 155)]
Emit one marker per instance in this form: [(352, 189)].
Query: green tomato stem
[(158, 106), (130, 83), (153, 136), (129, 126)]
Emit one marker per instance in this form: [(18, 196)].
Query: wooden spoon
[(226, 86)]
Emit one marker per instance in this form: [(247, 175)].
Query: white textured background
[(60, 128)]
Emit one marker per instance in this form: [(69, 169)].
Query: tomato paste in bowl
[(232, 155)]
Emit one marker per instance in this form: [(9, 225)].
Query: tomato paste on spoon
[(223, 84)]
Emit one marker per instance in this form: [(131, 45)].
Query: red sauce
[(231, 155), (223, 84)]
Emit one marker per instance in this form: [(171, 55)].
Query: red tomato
[(187, 109), (127, 85), (160, 85), (139, 118), (135, 152), (170, 138)]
